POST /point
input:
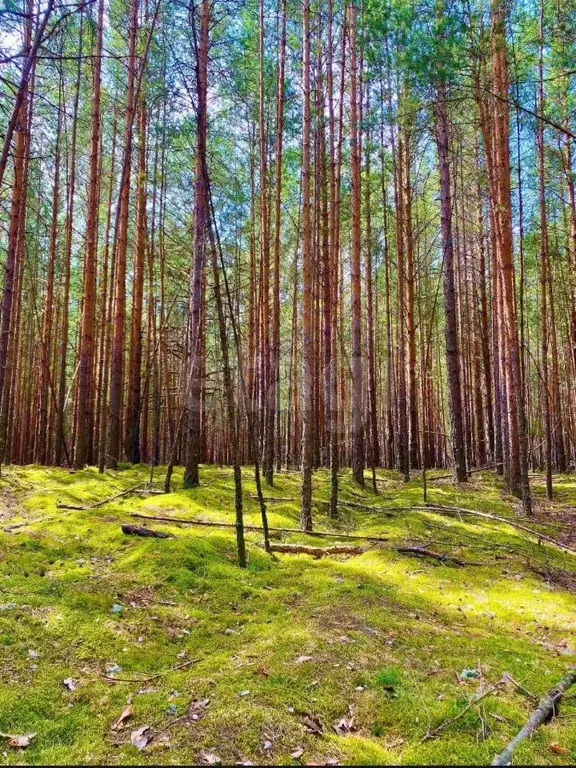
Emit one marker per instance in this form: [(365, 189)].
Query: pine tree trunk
[(18, 125), (83, 453), (266, 371), (307, 324), (544, 266), (60, 435), (517, 448), (134, 403), (451, 331), (121, 249), (191, 474), (357, 432), (274, 399)]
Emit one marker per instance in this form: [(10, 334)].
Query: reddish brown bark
[(134, 403), (121, 249), (84, 436), (357, 429), (307, 343), (191, 473), (451, 331)]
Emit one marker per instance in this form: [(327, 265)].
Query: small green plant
[(389, 679)]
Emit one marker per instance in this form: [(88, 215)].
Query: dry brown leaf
[(197, 709), (298, 752), (127, 713), (139, 737), (558, 749), (313, 724), (211, 758), (344, 725)]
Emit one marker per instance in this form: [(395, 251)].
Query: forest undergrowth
[(130, 650)]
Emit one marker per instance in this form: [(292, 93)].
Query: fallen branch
[(273, 498), (545, 711), (509, 521), (470, 471), (386, 510), (148, 492), (303, 549), (507, 678), (431, 734), (486, 515), (102, 502), (422, 552), (515, 519), (14, 526), (137, 530), (111, 679), (210, 523)]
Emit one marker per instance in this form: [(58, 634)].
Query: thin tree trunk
[(191, 474), (307, 347), (274, 425), (451, 331), (15, 122), (134, 404), (355, 263), (230, 408), (544, 266), (267, 401), (517, 449), (60, 436), (121, 248), (84, 435)]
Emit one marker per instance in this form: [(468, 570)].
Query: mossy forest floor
[(348, 659)]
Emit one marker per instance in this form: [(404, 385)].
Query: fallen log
[(137, 530), (100, 503), (211, 524), (303, 549), (545, 711)]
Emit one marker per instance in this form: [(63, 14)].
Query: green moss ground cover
[(294, 660)]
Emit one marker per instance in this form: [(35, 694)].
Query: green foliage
[(389, 678)]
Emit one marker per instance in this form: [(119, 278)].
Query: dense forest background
[(319, 233)]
